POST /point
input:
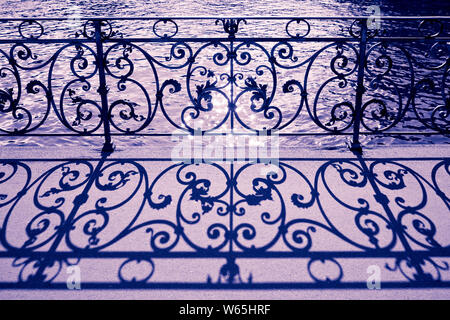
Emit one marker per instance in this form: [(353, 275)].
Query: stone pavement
[(137, 224)]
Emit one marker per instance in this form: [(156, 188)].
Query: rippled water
[(76, 8), (27, 8)]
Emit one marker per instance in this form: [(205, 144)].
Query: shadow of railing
[(154, 223)]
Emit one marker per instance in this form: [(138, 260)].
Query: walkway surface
[(136, 224)]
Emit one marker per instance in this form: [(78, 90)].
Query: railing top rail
[(223, 17)]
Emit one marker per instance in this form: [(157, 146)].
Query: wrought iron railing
[(137, 218), (293, 76)]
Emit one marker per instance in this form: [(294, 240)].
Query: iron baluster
[(355, 144), (103, 89)]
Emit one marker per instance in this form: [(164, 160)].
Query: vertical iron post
[(103, 89), (355, 144)]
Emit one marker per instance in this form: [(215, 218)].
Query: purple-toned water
[(50, 8)]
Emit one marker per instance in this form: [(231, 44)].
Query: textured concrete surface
[(404, 173)]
